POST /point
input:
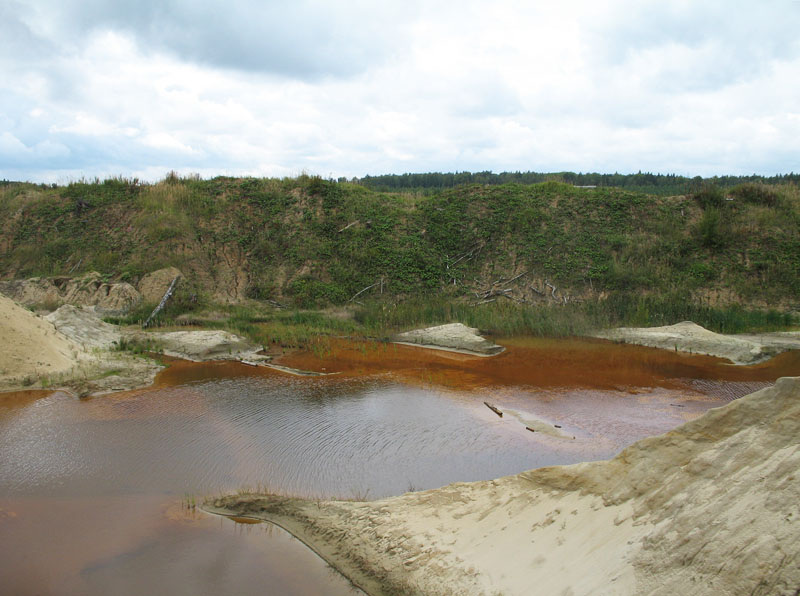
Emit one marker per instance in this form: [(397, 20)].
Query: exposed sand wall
[(88, 290), (709, 508)]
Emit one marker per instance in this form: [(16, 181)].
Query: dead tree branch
[(163, 302), (350, 225), (357, 294)]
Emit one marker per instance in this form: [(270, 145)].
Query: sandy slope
[(68, 349), (30, 346), (712, 507)]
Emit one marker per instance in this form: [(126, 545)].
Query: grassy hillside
[(310, 243)]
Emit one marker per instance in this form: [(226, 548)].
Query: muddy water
[(96, 495)]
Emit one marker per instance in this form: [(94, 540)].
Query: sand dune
[(712, 507), (31, 346)]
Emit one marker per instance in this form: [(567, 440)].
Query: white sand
[(35, 354), (30, 346)]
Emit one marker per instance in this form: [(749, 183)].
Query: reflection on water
[(136, 545), (95, 495)]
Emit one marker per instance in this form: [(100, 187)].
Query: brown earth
[(154, 285)]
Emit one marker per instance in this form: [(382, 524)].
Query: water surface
[(96, 495)]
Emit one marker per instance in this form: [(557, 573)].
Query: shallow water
[(96, 495)]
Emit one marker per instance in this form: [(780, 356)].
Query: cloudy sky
[(260, 87)]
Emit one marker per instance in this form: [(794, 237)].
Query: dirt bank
[(711, 507), (690, 337)]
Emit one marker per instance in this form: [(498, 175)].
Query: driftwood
[(493, 292), (493, 409), (163, 302), (473, 252)]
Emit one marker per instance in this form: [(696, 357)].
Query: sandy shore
[(711, 507), (692, 338), (74, 350)]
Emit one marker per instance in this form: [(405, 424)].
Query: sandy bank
[(455, 337), (67, 350), (73, 349), (690, 337), (711, 507)]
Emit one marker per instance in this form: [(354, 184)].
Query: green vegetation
[(547, 258), (657, 184), (137, 346)]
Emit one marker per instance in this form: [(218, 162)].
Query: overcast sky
[(259, 87)]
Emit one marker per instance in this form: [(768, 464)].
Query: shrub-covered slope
[(311, 242)]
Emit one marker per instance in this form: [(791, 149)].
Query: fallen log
[(493, 409), (163, 303)]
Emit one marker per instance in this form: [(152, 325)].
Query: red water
[(96, 495)]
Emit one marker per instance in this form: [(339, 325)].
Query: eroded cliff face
[(87, 290), (711, 507)]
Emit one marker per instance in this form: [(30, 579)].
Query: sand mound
[(453, 336), (32, 347), (709, 508), (690, 337), (154, 285), (200, 346)]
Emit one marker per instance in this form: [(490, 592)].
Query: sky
[(101, 88)]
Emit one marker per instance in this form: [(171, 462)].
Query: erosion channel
[(102, 495)]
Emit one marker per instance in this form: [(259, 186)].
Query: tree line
[(660, 184)]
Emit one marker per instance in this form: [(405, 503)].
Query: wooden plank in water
[(493, 409)]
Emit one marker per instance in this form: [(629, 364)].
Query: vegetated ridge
[(308, 242)]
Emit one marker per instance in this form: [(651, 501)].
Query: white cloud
[(623, 86)]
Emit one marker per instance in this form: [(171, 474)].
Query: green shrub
[(710, 229), (710, 196), (757, 194), (309, 292)]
